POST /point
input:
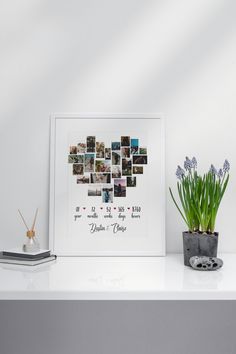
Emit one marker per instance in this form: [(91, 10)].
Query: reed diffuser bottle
[(32, 243)]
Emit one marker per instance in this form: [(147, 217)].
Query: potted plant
[(200, 198)]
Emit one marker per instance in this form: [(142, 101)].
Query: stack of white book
[(17, 256)]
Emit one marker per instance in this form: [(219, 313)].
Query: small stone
[(205, 263)]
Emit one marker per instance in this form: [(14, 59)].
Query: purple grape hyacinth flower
[(188, 164), (220, 173), (180, 173), (194, 162), (213, 170), (226, 166)]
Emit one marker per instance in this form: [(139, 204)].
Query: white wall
[(175, 57)]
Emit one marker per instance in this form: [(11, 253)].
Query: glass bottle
[(32, 244)]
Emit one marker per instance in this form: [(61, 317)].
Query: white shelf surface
[(118, 278)]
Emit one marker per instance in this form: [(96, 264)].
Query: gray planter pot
[(198, 244)]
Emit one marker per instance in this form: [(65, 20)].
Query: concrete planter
[(199, 244)]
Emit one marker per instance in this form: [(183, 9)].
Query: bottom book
[(10, 260)]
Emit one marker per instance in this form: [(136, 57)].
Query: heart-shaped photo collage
[(109, 171)]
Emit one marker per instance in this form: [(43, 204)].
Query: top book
[(17, 252)]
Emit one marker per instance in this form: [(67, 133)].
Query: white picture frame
[(141, 230)]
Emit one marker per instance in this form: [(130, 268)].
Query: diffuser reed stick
[(35, 217), (23, 219)]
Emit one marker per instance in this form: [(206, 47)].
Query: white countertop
[(118, 278)]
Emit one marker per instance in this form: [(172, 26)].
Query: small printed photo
[(125, 141), (140, 160), (89, 162), (80, 158), (99, 178), (134, 150), (107, 153), (82, 179), (94, 191), (78, 169), (134, 146), (116, 171), (125, 152), (107, 194), (126, 167), (81, 148), (73, 150), (115, 158), (143, 151), (115, 145), (100, 150), (90, 143), (137, 170), (119, 187), (102, 166), (73, 158), (131, 181)]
